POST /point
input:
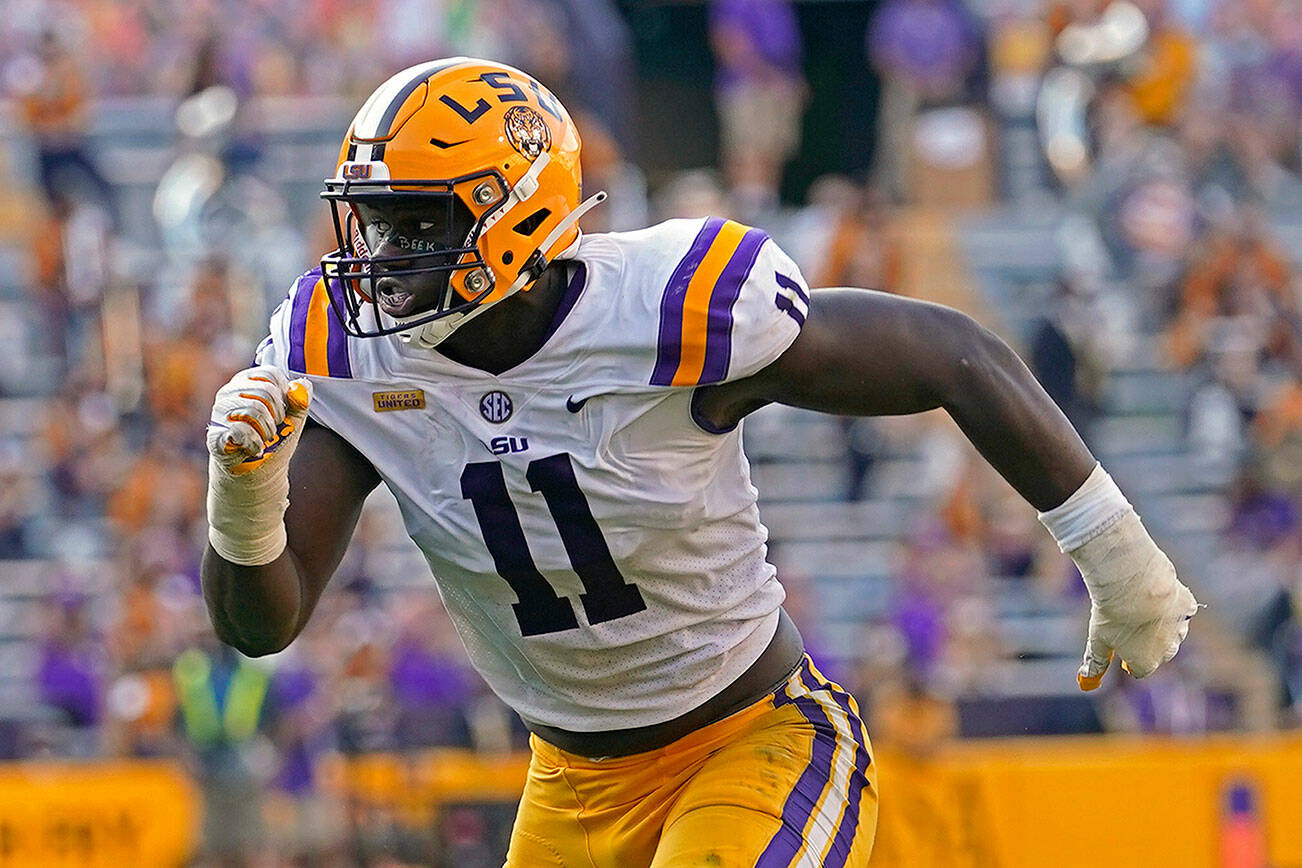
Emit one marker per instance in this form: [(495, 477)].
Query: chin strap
[(561, 228), (431, 334)]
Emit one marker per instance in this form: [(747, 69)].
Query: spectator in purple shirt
[(310, 825), (759, 92), (932, 45), (927, 52), (69, 677), (431, 688)]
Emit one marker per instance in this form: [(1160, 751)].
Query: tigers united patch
[(408, 399)]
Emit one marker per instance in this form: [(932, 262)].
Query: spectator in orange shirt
[(864, 249), (1239, 271), (1161, 86), (55, 111), (161, 487), (1278, 429)]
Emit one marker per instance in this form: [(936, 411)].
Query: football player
[(557, 415)]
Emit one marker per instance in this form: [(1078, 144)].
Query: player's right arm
[(284, 496)]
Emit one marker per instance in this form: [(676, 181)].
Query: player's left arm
[(864, 353), (870, 353)]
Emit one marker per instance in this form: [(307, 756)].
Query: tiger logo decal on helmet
[(527, 131), (480, 144)]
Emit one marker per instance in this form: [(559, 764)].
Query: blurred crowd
[(304, 47), (1180, 197), (1166, 132), (1165, 138)]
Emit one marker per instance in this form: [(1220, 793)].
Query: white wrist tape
[(256, 421), (1092, 509), (246, 513), (1138, 608)]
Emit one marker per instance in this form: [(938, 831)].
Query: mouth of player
[(394, 298)]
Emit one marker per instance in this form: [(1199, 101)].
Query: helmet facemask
[(416, 238)]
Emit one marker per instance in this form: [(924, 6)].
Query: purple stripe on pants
[(800, 804), (718, 335), (849, 825), (669, 348)]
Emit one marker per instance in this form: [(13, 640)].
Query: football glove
[(1139, 610), (256, 421)]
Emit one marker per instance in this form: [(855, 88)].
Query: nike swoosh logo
[(575, 406)]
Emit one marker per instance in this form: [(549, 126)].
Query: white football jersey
[(599, 551)]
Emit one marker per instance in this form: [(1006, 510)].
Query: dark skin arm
[(260, 610), (864, 353)]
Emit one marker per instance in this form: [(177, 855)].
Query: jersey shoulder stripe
[(318, 344), (696, 319)]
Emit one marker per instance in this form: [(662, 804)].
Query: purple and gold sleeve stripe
[(318, 345), (695, 343)]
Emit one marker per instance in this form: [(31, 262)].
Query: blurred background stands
[(1112, 187)]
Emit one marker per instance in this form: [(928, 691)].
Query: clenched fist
[(257, 415), (1139, 609), (256, 421)]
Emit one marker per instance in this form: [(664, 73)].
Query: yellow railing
[(96, 814), (1016, 803), (1109, 802), (1019, 803)]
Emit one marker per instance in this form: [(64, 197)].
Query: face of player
[(416, 227)]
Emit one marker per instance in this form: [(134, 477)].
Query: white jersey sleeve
[(733, 302)]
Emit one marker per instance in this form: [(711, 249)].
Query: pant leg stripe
[(804, 798), (843, 840), (822, 830)]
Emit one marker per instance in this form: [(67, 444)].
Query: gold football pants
[(788, 781)]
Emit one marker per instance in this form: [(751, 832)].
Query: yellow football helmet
[(484, 150)]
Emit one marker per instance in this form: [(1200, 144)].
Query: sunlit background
[(1112, 186)]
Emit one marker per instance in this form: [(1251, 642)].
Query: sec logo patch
[(496, 407)]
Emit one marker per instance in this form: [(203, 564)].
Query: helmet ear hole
[(530, 224)]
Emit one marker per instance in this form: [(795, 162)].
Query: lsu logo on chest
[(508, 445)]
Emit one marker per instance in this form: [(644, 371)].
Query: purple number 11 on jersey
[(539, 608)]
